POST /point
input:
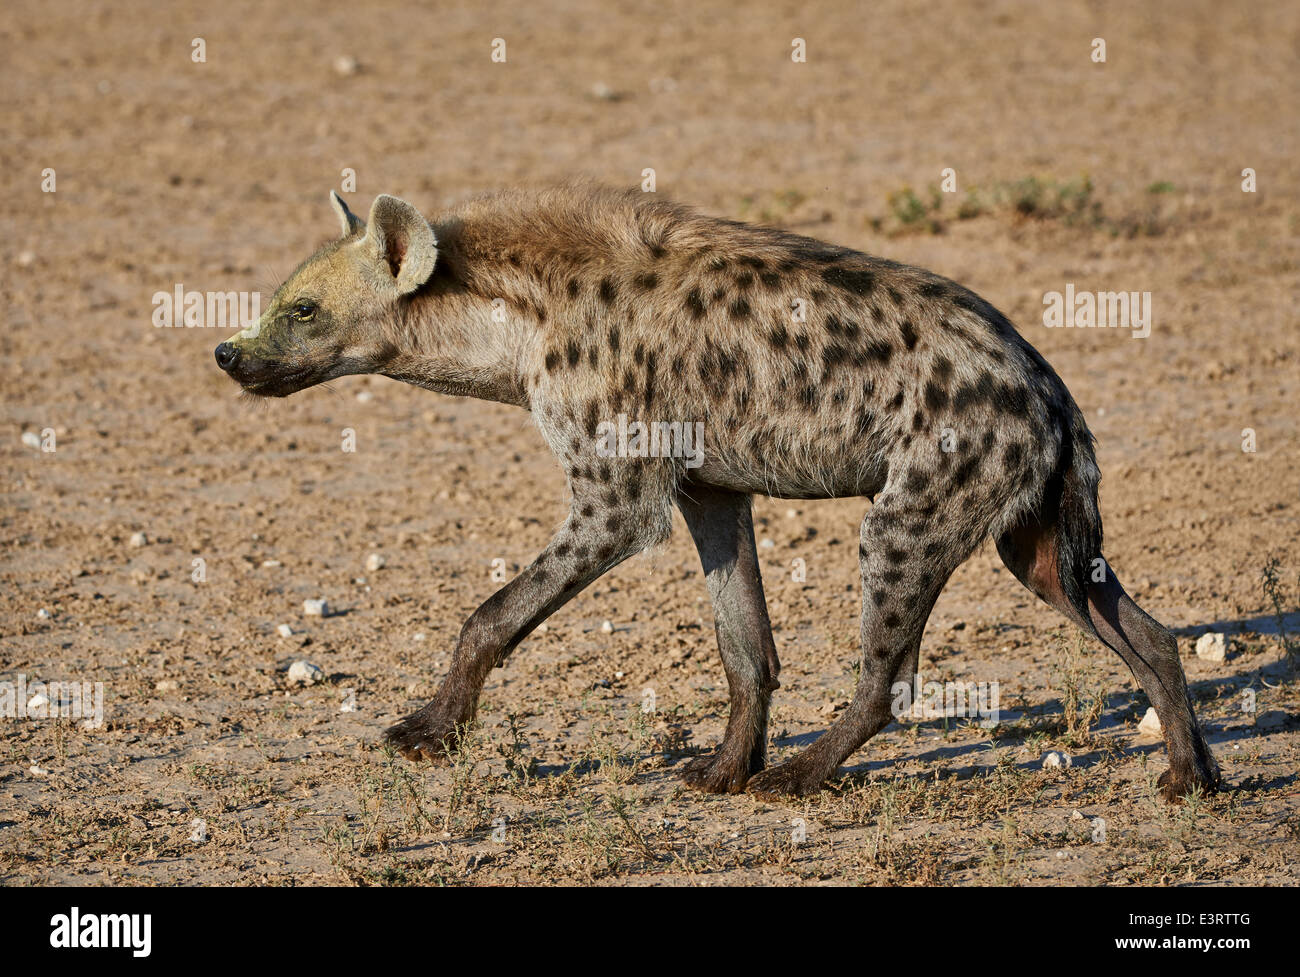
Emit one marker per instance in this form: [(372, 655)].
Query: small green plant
[(1272, 583)]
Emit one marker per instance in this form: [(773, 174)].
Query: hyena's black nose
[(227, 357)]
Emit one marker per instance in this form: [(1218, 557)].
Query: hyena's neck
[(472, 330)]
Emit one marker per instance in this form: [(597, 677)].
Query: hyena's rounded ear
[(402, 241), (350, 222)]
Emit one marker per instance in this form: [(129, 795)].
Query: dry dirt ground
[(211, 767)]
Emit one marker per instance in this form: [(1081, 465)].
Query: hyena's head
[(325, 321)]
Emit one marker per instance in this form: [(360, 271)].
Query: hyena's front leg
[(598, 535), (722, 527)]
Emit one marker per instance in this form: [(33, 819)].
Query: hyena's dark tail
[(1078, 521), (1053, 549)]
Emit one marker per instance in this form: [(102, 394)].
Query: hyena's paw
[(1175, 786), (718, 773), (789, 779), (428, 735)]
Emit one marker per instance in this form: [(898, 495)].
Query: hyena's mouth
[(279, 385), (263, 378)]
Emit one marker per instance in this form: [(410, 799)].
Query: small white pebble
[(419, 636), (305, 673), (38, 771), (31, 439), (316, 608), (365, 396), (1212, 647), (270, 563), (43, 614), (139, 539), (346, 65), (374, 562), (608, 627), (618, 674), (26, 259), (166, 685), (1150, 723), (284, 631), (543, 627), (791, 514), (1055, 761)]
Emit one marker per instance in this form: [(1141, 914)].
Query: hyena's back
[(818, 371)]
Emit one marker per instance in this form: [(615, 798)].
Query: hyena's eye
[(303, 311)]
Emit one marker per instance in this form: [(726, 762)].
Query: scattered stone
[(166, 685), (608, 627), (305, 673), (603, 91), (26, 259), (365, 396), (284, 631), (1076, 815), (43, 614), (1212, 647), (618, 674), (138, 539), (767, 544), (346, 65), (316, 608), (1057, 761), (791, 513), (374, 562), (38, 771), (1150, 723), (543, 627), (419, 636), (31, 439), (270, 563)]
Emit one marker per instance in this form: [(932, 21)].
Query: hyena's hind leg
[(721, 524), (905, 559), (1030, 551)]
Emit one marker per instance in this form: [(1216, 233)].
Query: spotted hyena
[(816, 371)]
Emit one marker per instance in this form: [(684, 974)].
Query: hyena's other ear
[(402, 241), (349, 221)]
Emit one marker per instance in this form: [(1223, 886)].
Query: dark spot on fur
[(573, 354), (917, 480), (647, 282), (552, 361), (858, 281), (879, 351), (614, 338), (936, 397), (695, 305), (608, 291), (778, 336)]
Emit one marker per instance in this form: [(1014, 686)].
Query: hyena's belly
[(810, 458)]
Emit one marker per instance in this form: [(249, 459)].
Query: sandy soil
[(214, 175)]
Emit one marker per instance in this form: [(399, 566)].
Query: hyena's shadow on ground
[(1264, 624), (1120, 711)]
